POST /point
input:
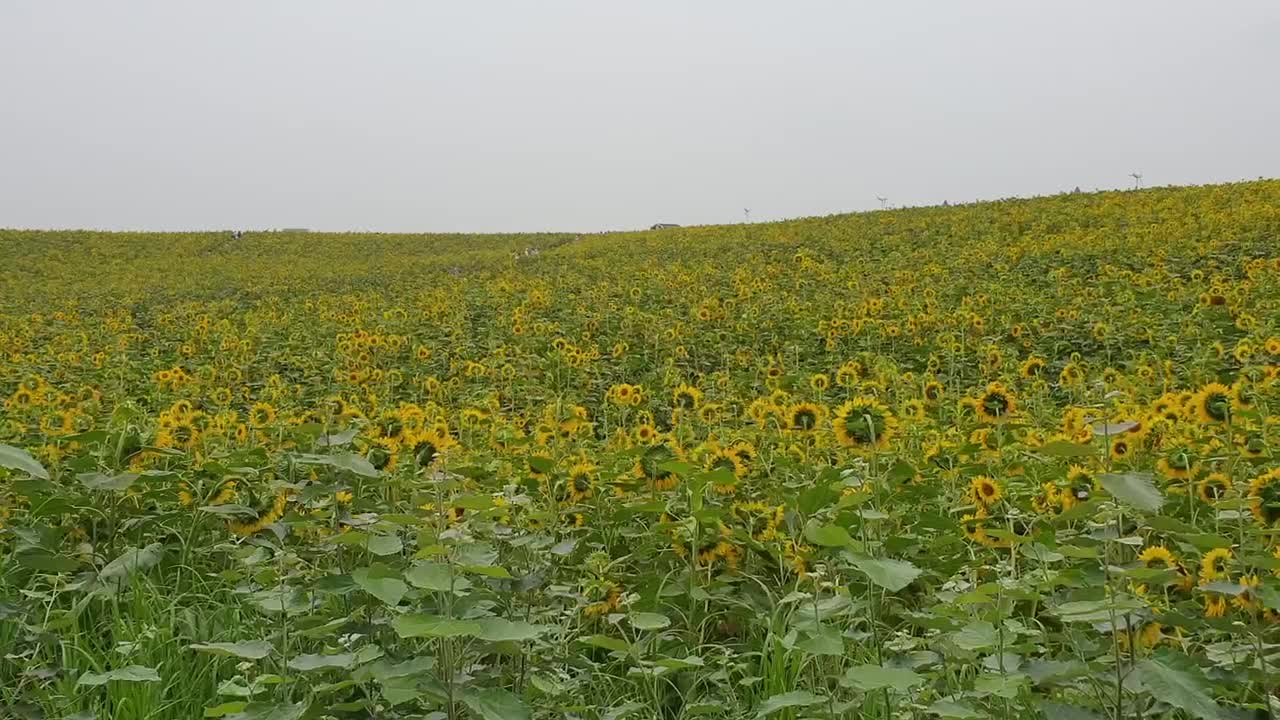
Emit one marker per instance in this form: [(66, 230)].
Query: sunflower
[(581, 482), (383, 454), (1212, 404), (1264, 497), (262, 414), (1081, 484), (1247, 600), (996, 403), (933, 391), (1048, 501), (865, 423), (805, 416), (972, 525), (1215, 606), (429, 445), (985, 491), (914, 410), (1177, 463), (649, 466), (686, 397), (726, 459), (1031, 367), (1252, 444), (645, 434), (1213, 487), (1213, 566), (710, 412), (1157, 556), (819, 382), (1120, 448)]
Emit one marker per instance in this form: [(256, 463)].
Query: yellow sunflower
[(865, 423)]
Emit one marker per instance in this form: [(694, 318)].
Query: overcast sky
[(601, 114)]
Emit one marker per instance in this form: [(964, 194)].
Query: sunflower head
[(1264, 498), (865, 423), (1212, 404), (996, 403), (805, 416)]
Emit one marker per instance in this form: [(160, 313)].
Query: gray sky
[(601, 114)]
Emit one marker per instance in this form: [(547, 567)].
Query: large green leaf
[(429, 576), (355, 463), (1175, 680), (306, 663), (495, 704), (826, 535), (269, 711), (131, 561), (381, 582), (416, 625), (132, 673), (496, 629), (874, 677), (384, 544), (98, 481), (250, 650), (649, 621), (19, 459), (1058, 711), (892, 575), (795, 698), (975, 636), (1134, 489), (826, 641)]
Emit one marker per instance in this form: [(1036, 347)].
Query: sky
[(589, 115)]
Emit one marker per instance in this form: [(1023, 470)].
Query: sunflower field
[(996, 460)]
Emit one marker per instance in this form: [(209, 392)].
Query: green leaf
[(826, 641), (892, 575), (1135, 489), (384, 544), (381, 582), (795, 698), (269, 711), (1064, 449), (18, 459), (540, 464), (416, 625), (975, 636), (355, 463), (250, 650), (953, 710), (1093, 611), (495, 704), (98, 481), (874, 677), (826, 535), (307, 663), (225, 709), (1182, 687), (429, 576), (129, 562), (648, 621), (132, 673), (606, 642), (229, 510), (338, 438), (1058, 711), (493, 571), (45, 561), (496, 629)]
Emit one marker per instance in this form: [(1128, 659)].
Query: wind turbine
[(1137, 179), (746, 213), (882, 200)]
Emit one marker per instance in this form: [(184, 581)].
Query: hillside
[(969, 459)]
